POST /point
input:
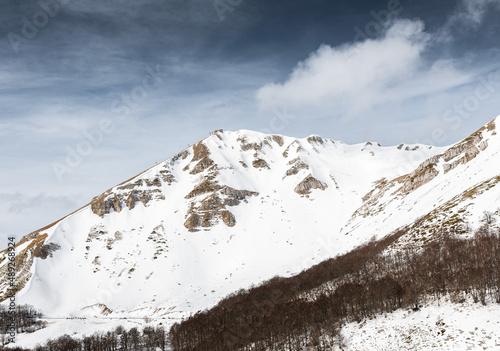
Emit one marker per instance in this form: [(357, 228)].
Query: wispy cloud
[(22, 203), (351, 78), (404, 64), (472, 12), (468, 16)]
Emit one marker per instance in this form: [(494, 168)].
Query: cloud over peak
[(351, 74)]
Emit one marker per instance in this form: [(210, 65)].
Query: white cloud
[(353, 76), (351, 80)]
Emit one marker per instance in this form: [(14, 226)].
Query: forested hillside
[(307, 310)]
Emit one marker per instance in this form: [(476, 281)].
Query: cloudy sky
[(94, 91)]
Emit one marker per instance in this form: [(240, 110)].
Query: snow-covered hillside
[(233, 210), (444, 326)]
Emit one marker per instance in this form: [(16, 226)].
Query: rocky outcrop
[(24, 261), (167, 176), (309, 183), (251, 146), (228, 218), (96, 232), (181, 155), (278, 139), (208, 185), (260, 163), (315, 139), (233, 197), (131, 185), (106, 204), (245, 145), (205, 163), (298, 165), (463, 147), (101, 308), (47, 250), (210, 201), (143, 196), (200, 151), (155, 182), (424, 173), (111, 202), (467, 148)]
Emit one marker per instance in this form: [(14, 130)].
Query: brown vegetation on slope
[(290, 314)]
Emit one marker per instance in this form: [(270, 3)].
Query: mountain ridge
[(232, 210)]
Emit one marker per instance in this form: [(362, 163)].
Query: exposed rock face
[(298, 164), (153, 182), (228, 218), (96, 232), (233, 197), (208, 185), (315, 139), (425, 172), (143, 196), (459, 154), (106, 204), (101, 308), (129, 186), (309, 182), (200, 151), (24, 261), (260, 163), (250, 146), (467, 148), (47, 250), (209, 210), (111, 202), (204, 164), (135, 190), (462, 147), (182, 155), (278, 139), (167, 177), (245, 145)]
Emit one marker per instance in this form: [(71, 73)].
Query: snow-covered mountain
[(238, 208)]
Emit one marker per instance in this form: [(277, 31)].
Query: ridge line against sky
[(140, 81)]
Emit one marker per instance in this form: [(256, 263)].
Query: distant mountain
[(238, 208)]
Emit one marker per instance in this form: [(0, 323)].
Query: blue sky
[(93, 92)]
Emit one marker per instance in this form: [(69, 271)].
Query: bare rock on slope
[(309, 182)]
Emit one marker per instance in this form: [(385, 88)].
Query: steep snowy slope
[(235, 209), (449, 191)]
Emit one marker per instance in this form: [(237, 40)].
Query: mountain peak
[(237, 208)]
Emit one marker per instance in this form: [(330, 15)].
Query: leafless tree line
[(150, 339), (18, 319), (303, 311)]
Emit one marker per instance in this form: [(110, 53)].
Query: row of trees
[(308, 309), (150, 339), (18, 319)]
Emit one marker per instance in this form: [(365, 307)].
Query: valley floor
[(438, 326)]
